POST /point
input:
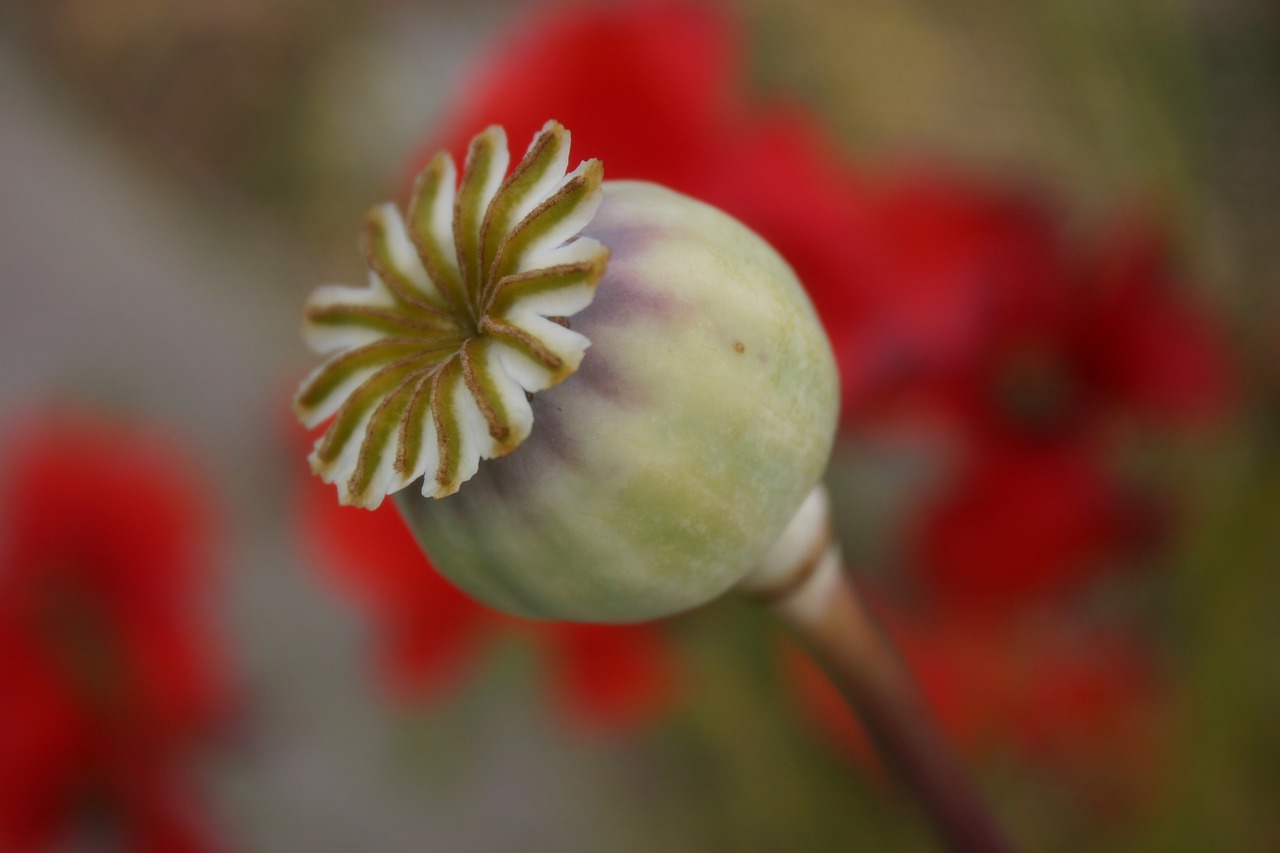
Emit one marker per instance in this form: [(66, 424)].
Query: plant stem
[(815, 597)]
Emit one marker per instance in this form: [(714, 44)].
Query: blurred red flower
[(110, 672), (604, 678), (1049, 352)]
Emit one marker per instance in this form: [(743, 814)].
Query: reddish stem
[(828, 616)]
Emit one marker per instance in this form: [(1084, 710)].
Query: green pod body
[(656, 476)]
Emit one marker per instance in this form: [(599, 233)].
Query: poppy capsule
[(652, 471)]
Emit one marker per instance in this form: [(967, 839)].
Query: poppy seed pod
[(666, 459)]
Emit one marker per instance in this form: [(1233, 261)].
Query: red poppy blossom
[(1027, 352), (110, 672), (431, 636)]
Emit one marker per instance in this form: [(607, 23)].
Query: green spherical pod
[(652, 478)]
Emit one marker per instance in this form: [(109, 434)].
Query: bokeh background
[(1043, 236)]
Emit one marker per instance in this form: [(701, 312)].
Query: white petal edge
[(404, 255), (535, 255), (551, 179), (322, 338)]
